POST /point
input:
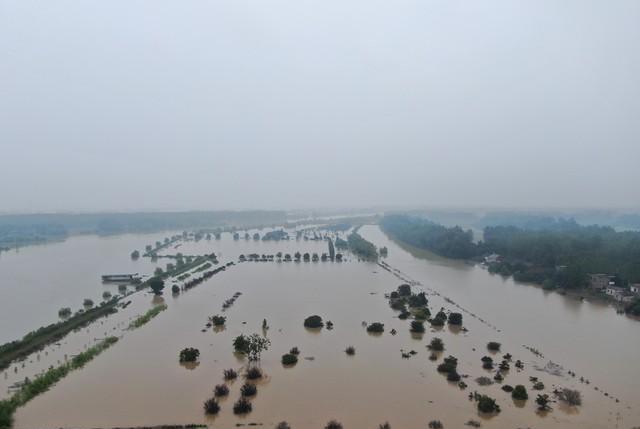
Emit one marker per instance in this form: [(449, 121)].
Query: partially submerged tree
[(314, 321), (487, 404), (376, 327), (189, 354), (543, 402), (455, 319), (570, 396), (520, 393), (156, 284), (436, 345)]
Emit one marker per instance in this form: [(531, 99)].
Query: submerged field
[(139, 380)]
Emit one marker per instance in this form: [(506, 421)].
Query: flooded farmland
[(139, 381)]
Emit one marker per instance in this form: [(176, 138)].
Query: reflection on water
[(139, 381)]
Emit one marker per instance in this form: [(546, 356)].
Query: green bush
[(248, 389), (417, 326), (455, 319), (218, 320), (313, 322), (493, 346), (422, 314), (211, 406), (436, 321), (189, 354), (404, 290), (253, 373), (242, 406), (230, 374), (487, 404), (520, 393), (376, 327), (221, 390), (289, 359), (436, 345)]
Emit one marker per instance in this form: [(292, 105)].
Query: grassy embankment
[(41, 337)]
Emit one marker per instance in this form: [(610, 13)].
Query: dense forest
[(26, 229), (560, 256), (450, 242)]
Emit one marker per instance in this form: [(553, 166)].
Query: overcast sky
[(154, 104)]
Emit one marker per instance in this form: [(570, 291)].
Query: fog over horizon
[(160, 105)]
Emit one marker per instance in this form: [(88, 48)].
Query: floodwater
[(36, 281), (140, 382)]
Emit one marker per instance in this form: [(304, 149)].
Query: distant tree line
[(561, 256), (33, 228), (450, 242)]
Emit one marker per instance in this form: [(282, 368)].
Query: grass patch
[(146, 317)]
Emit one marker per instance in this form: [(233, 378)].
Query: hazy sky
[(154, 104)]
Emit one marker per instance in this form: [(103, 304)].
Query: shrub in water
[(404, 290), (242, 406), (294, 351), (241, 344), (455, 319), (189, 354), (437, 322), (436, 345), (289, 359), (417, 326), (507, 388), (221, 390), (211, 406), (376, 327), (248, 389), (333, 425), (493, 346), (417, 300), (253, 373), (230, 374), (435, 424), (313, 322), (350, 350), (283, 425), (218, 320), (570, 396), (520, 393), (422, 314), (453, 376), (487, 404)]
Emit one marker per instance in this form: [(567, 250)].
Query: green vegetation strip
[(203, 267), (141, 320), (43, 382), (36, 340), (361, 247)]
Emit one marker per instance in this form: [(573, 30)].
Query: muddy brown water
[(140, 382)]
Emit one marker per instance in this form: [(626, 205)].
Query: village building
[(600, 282)]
